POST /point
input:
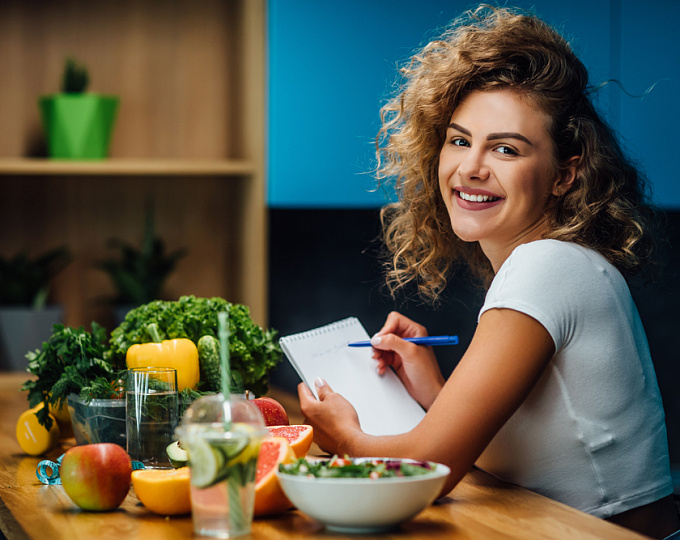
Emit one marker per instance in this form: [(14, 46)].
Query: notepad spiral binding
[(321, 330)]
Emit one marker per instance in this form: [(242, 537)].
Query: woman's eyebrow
[(508, 135), (493, 136), (460, 128)]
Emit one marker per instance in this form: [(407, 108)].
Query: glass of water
[(223, 438), (152, 410)]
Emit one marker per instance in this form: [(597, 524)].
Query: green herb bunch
[(70, 361), (253, 351), (75, 79)]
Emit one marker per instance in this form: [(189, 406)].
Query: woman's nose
[(473, 166)]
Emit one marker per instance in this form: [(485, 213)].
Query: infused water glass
[(152, 414), (222, 438)]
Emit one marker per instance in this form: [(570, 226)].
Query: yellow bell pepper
[(180, 354)]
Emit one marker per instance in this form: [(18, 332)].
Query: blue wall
[(331, 65)]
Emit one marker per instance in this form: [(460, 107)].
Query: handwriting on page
[(331, 349)]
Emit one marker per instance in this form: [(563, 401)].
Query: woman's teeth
[(477, 198)]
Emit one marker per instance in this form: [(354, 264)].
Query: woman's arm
[(505, 359)]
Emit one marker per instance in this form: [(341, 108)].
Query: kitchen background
[(278, 103)]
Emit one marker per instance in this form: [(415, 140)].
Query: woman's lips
[(477, 200)]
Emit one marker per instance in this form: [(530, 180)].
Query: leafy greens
[(68, 362), (348, 468), (253, 351)]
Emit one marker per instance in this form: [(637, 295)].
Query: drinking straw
[(223, 333), (236, 515)]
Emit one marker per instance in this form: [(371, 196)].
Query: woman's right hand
[(415, 365)]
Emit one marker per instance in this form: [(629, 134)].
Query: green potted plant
[(26, 319), (138, 274), (78, 124)]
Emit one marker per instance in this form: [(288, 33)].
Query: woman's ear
[(566, 177)]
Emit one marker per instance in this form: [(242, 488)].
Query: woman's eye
[(508, 151), (457, 141)]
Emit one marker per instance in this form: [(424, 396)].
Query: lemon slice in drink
[(248, 444), (232, 447)]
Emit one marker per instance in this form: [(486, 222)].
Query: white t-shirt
[(591, 434)]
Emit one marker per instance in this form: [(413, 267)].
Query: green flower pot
[(78, 126)]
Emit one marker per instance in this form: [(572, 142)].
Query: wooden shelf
[(125, 167), (191, 81)]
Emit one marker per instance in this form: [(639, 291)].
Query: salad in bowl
[(369, 494)]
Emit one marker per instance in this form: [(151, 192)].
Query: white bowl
[(364, 505)]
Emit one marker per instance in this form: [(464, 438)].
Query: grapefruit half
[(299, 437), (269, 497)]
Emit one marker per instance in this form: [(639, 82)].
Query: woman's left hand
[(334, 419)]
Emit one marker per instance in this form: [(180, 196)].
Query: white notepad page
[(382, 402)]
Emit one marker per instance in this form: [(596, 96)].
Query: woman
[(501, 162)]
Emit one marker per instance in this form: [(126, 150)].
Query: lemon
[(34, 438)]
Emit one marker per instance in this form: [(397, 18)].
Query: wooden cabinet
[(189, 136)]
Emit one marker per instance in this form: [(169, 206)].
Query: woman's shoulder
[(550, 280), (550, 246), (546, 264), (555, 255)]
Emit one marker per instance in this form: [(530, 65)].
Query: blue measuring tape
[(52, 478)]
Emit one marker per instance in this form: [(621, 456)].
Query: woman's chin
[(467, 235)]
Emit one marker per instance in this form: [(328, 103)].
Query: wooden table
[(479, 507)]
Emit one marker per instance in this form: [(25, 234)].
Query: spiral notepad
[(382, 402)]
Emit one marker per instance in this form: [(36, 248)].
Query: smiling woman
[(502, 163), (497, 174)]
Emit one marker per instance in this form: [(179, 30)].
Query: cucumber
[(207, 463), (178, 456), (209, 362), (214, 460)]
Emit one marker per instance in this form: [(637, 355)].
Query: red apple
[(96, 476), (273, 412)]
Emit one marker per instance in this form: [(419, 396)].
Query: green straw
[(236, 515), (223, 333)]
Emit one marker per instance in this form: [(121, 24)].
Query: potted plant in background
[(78, 124), (139, 274), (26, 319)]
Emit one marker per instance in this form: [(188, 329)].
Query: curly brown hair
[(491, 48)]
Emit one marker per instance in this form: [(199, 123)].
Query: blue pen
[(428, 340)]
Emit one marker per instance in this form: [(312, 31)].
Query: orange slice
[(269, 497), (163, 491), (299, 437)]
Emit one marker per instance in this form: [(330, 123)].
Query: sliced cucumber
[(215, 458), (206, 463), (178, 456)]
